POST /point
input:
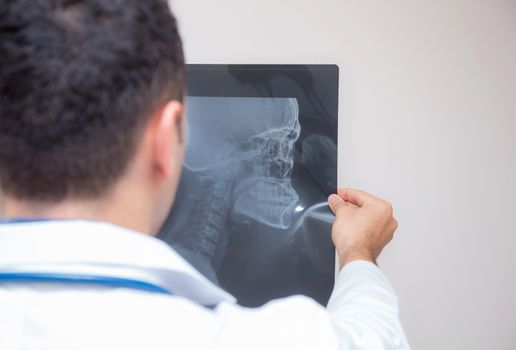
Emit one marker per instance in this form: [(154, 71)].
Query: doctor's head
[(91, 113)]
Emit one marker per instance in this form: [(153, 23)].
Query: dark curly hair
[(78, 81)]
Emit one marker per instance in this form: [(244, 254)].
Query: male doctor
[(91, 146)]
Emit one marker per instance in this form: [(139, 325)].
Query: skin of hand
[(364, 225)]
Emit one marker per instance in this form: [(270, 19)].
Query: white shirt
[(362, 312)]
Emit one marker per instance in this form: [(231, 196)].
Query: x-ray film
[(261, 159)]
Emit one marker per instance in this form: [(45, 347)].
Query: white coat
[(362, 312)]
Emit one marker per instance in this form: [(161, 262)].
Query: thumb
[(336, 202)]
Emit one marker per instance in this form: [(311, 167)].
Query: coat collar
[(88, 247)]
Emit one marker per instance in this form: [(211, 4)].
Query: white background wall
[(427, 120)]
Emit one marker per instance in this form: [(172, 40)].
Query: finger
[(355, 196), (336, 203), (351, 205), (390, 228), (394, 224)]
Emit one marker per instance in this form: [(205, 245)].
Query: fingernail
[(332, 199)]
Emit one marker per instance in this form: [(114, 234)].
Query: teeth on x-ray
[(267, 200), (253, 137)]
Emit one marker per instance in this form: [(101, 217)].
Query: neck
[(117, 211)]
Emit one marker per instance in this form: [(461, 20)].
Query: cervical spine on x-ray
[(252, 141)]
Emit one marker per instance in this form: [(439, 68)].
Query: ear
[(167, 138)]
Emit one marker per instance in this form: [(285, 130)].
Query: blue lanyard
[(22, 220), (76, 279)]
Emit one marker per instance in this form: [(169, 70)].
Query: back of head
[(78, 81)]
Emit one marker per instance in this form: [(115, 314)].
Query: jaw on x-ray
[(250, 212)]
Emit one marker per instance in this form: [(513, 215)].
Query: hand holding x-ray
[(364, 225)]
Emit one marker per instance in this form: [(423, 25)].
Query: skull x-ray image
[(261, 159)]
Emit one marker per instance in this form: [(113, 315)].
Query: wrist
[(345, 259)]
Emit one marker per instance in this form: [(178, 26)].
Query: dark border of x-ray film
[(316, 89)]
